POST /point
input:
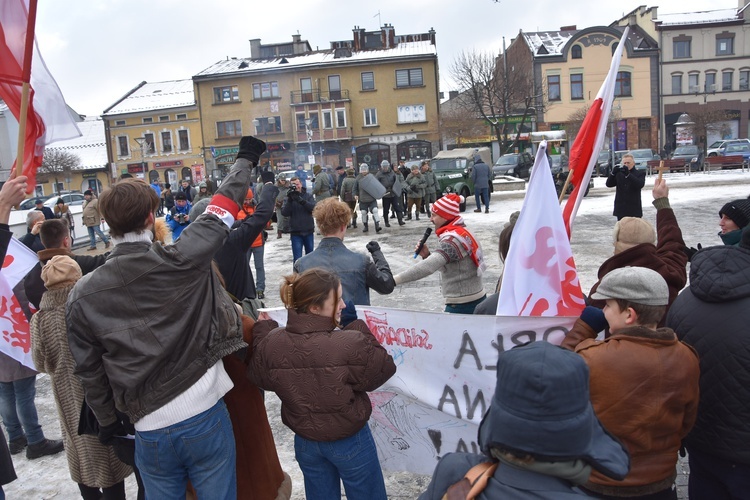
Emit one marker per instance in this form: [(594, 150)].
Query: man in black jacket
[(299, 206), (628, 182)]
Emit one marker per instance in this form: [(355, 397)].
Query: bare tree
[(575, 120), (705, 122), (460, 121), (56, 164), (497, 88)]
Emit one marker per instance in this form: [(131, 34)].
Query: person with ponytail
[(322, 372)]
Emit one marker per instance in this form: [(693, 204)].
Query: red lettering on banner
[(388, 335), (15, 327)]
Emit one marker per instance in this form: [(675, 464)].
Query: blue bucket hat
[(541, 407)]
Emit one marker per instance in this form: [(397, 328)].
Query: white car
[(71, 199), (717, 148)]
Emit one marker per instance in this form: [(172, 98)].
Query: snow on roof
[(704, 17), (404, 49), (155, 96), (90, 147), (547, 42)]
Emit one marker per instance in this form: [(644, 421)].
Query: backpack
[(473, 483)]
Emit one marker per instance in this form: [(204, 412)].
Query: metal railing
[(317, 95)]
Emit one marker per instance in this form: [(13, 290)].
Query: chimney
[(654, 15), (632, 21), (568, 28), (388, 36), (296, 38), (358, 39), (255, 48), (452, 94)]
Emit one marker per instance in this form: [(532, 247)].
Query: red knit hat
[(447, 206)]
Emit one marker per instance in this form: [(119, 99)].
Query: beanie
[(447, 206), (88, 192), (738, 211), (59, 271), (316, 169), (632, 231)]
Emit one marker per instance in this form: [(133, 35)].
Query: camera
[(181, 218)]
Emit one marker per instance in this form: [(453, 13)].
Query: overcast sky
[(98, 50)]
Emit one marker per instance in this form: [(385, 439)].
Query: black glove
[(372, 247), (614, 171), (108, 433), (594, 317), (348, 314), (251, 149), (293, 194), (691, 251), (267, 176)]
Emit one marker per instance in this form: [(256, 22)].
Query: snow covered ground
[(696, 200)]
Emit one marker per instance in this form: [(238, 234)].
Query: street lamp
[(141, 141), (308, 122)]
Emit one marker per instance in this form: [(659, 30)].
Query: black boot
[(400, 220), (365, 228), (377, 227), (354, 223), (408, 215), (416, 215), (387, 224)]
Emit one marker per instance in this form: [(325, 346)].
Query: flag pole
[(26, 76), (565, 186)]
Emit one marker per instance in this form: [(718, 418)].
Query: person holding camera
[(628, 182), (178, 217), (298, 206)]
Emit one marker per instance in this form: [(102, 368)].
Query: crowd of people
[(650, 367)]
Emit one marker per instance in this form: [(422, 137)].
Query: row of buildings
[(376, 97)]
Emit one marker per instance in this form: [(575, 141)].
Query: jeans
[(715, 478), (482, 195), (93, 231), (298, 241), (354, 460), (18, 410), (200, 449), (260, 272), (467, 308)]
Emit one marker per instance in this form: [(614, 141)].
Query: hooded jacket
[(712, 315)]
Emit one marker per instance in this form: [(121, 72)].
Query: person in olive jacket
[(322, 373)]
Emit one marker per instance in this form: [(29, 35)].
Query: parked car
[(560, 168), (738, 149), (71, 198), (452, 170), (517, 165), (691, 154), (604, 163), (28, 203), (642, 157), (717, 148)]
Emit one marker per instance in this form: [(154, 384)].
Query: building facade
[(364, 100)]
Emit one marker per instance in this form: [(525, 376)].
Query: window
[(305, 85), (575, 52), (677, 84), (226, 94), (314, 124), (412, 113), (327, 118), (148, 119), (184, 139), (122, 146), (368, 80), (334, 87), (576, 86), (265, 90), (409, 78), (371, 117), (710, 82), (166, 142), (164, 118), (301, 122), (150, 147), (681, 48), (229, 129), (744, 79), (340, 118), (726, 81), (693, 85), (180, 116), (267, 125), (119, 123), (622, 84), (724, 45), (553, 87)]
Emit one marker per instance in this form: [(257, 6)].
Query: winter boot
[(364, 227), (408, 215), (416, 215), (400, 219), (354, 223), (387, 223), (378, 228)]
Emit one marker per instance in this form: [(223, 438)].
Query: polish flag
[(590, 138), (540, 276), (48, 118), (15, 334)]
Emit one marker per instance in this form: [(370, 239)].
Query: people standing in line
[(93, 466), (393, 189), (178, 217), (257, 246), (644, 381), (712, 315), (322, 186), (358, 273), (481, 177), (39, 205), (174, 397), (324, 392), (202, 193), (458, 258), (415, 186), (368, 204), (34, 221), (92, 219), (628, 182), (62, 211), (347, 196), (734, 217), (298, 207), (167, 198), (432, 188), (188, 190), (282, 222)]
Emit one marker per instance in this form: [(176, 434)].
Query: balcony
[(327, 134), (316, 95)]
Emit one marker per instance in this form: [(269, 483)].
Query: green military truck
[(453, 170)]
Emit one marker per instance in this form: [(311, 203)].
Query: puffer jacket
[(321, 374), (713, 315), (163, 346)]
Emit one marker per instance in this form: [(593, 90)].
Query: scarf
[(465, 239)]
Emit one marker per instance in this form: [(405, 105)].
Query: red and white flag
[(540, 276), (15, 335), (48, 117), (590, 138)]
